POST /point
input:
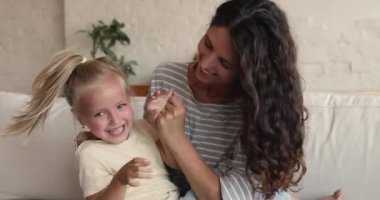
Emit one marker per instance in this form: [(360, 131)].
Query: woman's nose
[(208, 61)]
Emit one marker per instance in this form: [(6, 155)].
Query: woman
[(242, 133)]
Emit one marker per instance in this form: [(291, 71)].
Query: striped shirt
[(212, 129)]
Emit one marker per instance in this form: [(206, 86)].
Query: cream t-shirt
[(99, 161)]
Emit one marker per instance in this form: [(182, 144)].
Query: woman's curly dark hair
[(273, 132)]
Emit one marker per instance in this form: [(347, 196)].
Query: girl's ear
[(76, 115)]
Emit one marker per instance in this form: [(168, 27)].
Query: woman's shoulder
[(171, 66)]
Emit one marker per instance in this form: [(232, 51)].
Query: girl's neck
[(206, 93)]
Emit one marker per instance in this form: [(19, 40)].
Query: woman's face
[(218, 64)]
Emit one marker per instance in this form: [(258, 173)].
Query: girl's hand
[(171, 120), (155, 104), (132, 171)]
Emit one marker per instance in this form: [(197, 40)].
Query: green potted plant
[(105, 37)]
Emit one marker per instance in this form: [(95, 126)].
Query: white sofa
[(342, 149)]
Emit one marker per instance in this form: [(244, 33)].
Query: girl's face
[(218, 65), (104, 107)]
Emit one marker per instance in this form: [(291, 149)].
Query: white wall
[(160, 30), (30, 32), (339, 40)]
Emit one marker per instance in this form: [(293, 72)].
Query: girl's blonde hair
[(64, 72)]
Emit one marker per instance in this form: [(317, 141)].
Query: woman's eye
[(225, 64), (121, 106), (208, 43)]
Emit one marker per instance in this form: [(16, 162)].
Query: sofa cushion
[(342, 145)]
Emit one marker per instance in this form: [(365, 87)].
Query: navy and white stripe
[(211, 128)]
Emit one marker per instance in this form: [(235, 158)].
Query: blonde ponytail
[(47, 86)]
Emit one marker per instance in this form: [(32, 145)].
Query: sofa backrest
[(342, 145), (342, 149)]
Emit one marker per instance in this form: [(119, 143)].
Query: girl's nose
[(114, 118)]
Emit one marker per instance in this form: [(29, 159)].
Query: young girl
[(124, 163)]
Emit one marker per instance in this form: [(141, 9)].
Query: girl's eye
[(99, 114), (121, 106)]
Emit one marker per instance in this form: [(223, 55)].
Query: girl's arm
[(171, 123), (127, 175), (115, 190)]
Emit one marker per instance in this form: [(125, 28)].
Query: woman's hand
[(132, 171), (171, 120), (83, 136), (337, 195)]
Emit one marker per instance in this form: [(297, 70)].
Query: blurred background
[(338, 40)]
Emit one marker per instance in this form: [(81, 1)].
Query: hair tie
[(84, 59)]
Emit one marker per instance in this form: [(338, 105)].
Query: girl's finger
[(157, 93), (163, 114), (135, 174), (175, 100), (150, 112), (170, 108), (133, 182), (145, 169), (144, 175), (141, 161), (150, 115)]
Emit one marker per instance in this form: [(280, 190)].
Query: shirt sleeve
[(93, 176), (235, 186), (157, 82)]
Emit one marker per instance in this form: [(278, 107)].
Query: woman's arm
[(203, 180), (171, 122), (167, 156), (152, 108)]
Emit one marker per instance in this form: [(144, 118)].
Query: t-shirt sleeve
[(236, 186), (158, 77), (93, 176), (157, 83)]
